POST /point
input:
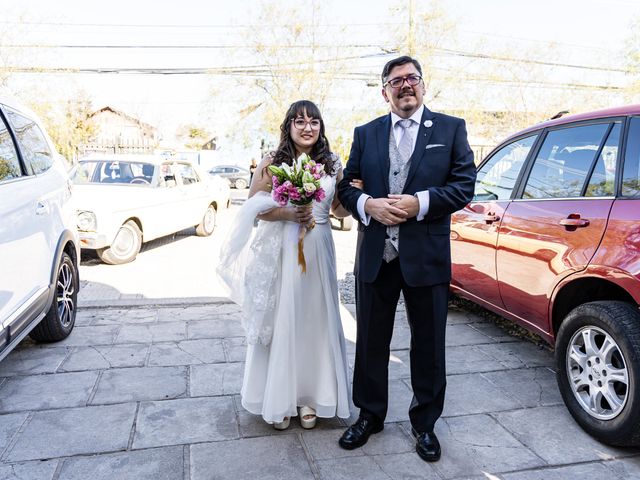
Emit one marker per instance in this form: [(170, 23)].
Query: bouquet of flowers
[(298, 184)]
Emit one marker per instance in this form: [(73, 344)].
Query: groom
[(417, 169)]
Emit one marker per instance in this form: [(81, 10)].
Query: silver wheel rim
[(241, 184), (209, 220), (65, 290), (597, 372), (125, 242)]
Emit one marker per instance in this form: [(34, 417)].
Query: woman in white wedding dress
[(296, 361)]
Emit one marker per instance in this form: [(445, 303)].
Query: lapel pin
[(428, 123)]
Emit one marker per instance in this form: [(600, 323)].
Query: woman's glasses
[(301, 123)]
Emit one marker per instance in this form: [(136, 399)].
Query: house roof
[(124, 115)]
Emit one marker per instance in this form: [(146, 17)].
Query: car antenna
[(559, 114)]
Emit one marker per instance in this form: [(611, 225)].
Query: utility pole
[(411, 41)]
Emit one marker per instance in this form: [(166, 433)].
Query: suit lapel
[(383, 130), (424, 134)]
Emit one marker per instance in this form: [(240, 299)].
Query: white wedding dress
[(297, 355)]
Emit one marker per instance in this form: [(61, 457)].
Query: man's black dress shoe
[(357, 434), (428, 447)]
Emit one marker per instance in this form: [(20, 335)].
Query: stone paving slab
[(33, 361), (215, 379), (276, 458), (166, 332), (545, 431), (105, 357), (74, 431), (184, 421), (187, 352), (41, 392), (120, 385), (9, 425), (90, 336), (29, 470), (473, 393), (152, 464), (477, 443)]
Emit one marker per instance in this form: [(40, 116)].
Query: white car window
[(9, 163), (35, 149)]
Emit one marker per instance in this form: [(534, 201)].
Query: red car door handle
[(491, 217), (574, 222)]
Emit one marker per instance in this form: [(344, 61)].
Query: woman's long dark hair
[(286, 151)]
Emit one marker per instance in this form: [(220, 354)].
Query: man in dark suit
[(417, 168)]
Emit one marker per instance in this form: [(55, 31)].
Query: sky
[(584, 32)]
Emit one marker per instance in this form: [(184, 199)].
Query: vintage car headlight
[(87, 221)]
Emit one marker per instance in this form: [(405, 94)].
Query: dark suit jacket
[(447, 171)]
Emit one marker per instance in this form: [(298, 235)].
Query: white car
[(39, 245), (126, 200)]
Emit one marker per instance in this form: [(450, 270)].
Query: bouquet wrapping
[(298, 184)]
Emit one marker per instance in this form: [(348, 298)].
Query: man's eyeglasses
[(301, 123), (412, 80)]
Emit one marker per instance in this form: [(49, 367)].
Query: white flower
[(309, 187), (286, 168), (428, 123)]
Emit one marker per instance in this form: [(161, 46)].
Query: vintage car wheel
[(598, 362), (208, 224), (241, 184), (61, 317), (125, 246)]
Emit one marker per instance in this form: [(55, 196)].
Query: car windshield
[(113, 171)]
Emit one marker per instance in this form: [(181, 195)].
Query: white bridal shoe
[(307, 417), (283, 425)]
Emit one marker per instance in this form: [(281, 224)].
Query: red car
[(551, 241)]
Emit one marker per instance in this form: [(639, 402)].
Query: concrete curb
[(151, 302)]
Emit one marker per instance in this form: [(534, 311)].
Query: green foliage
[(69, 127), (193, 136)]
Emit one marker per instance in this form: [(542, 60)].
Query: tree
[(68, 126), (193, 136)]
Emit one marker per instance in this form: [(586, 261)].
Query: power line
[(265, 72)]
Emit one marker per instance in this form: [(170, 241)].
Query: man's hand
[(385, 210), (409, 203)]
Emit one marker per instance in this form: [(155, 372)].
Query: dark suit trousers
[(427, 316)]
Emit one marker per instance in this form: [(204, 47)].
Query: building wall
[(118, 133)]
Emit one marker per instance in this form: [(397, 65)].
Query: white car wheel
[(125, 246)]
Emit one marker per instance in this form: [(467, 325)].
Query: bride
[(296, 361)]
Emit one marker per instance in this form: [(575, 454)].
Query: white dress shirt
[(398, 131)]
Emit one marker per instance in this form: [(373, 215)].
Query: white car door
[(29, 192), (195, 198)]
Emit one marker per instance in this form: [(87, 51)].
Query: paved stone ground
[(151, 392)]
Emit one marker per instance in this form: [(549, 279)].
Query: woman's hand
[(357, 183), (300, 215)]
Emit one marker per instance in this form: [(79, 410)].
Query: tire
[(598, 363), (241, 184), (208, 223), (346, 223), (125, 246), (61, 317)]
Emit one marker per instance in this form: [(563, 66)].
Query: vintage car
[(126, 200), (551, 241)]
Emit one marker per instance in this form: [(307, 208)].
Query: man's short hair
[(396, 62)]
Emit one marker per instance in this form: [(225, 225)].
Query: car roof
[(132, 157), (228, 166), (593, 115)]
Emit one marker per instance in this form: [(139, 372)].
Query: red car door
[(556, 225), (474, 229)]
